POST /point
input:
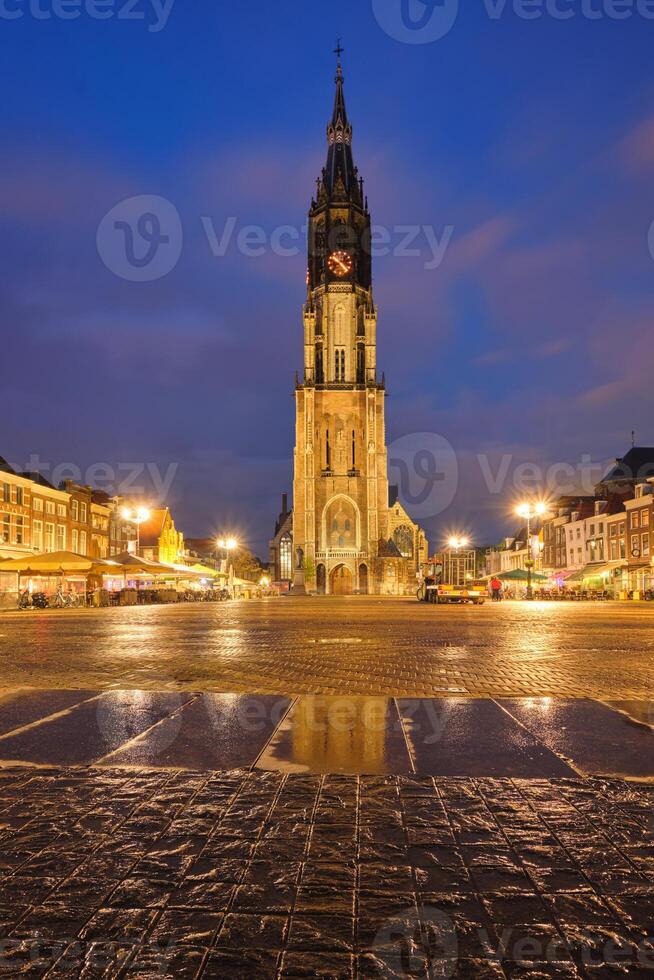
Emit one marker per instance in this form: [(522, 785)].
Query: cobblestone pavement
[(168, 869), (333, 646), (142, 874)]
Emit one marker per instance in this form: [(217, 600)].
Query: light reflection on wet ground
[(363, 646), (353, 735)]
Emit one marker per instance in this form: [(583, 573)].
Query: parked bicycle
[(25, 600), (64, 600)]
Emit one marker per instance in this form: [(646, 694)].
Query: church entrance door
[(341, 581)]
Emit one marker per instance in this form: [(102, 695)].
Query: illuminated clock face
[(340, 263)]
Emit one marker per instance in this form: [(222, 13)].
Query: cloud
[(602, 394), (635, 151)]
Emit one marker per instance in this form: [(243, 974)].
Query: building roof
[(5, 467), (150, 530), (340, 178), (637, 465), (38, 478)]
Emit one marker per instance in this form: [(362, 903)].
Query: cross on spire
[(339, 50)]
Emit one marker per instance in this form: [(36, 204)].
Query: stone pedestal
[(298, 587)]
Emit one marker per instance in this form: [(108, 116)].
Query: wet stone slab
[(470, 737), (21, 708), (596, 738), (90, 730), (215, 731), (266, 874)]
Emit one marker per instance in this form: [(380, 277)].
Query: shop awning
[(128, 563), (49, 563), (207, 571), (520, 575), (595, 570)]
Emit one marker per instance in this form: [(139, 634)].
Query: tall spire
[(340, 163)]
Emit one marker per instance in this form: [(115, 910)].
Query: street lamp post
[(529, 511), (226, 545), (137, 517)]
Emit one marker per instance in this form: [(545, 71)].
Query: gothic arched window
[(403, 538), (285, 557), (361, 364), (340, 326)]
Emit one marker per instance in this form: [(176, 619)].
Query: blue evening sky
[(528, 142)]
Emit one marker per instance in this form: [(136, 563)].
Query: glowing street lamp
[(529, 511), (264, 581), (227, 544), (456, 543), (136, 516)]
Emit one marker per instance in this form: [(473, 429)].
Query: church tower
[(340, 490)]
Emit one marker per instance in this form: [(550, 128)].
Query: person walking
[(496, 589)]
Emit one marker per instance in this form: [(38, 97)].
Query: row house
[(36, 516), (639, 520), (511, 555), (159, 538), (49, 517), (90, 518), (15, 513), (554, 537)]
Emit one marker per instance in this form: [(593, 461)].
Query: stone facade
[(159, 538), (342, 525)]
